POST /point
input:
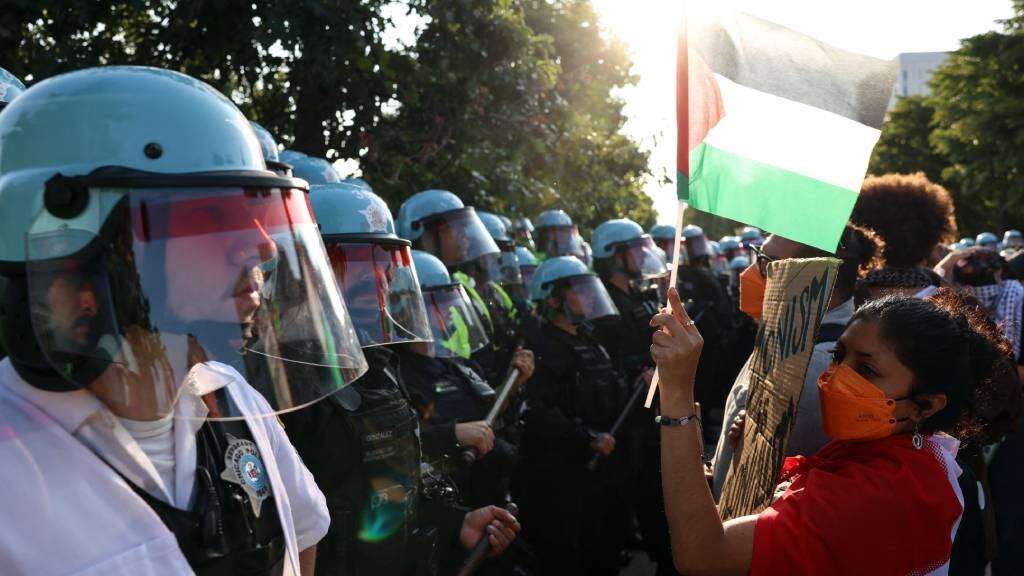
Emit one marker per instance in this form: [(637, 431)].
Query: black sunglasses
[(761, 259)]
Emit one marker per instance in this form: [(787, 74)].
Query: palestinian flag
[(779, 126)]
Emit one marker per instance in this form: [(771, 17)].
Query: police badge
[(243, 466)]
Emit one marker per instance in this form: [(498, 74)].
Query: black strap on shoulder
[(829, 333)]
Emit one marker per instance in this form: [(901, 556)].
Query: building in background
[(915, 71)]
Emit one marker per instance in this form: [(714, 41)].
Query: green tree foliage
[(905, 146), (979, 126), (508, 103)]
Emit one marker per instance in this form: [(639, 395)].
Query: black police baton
[(469, 455), (592, 465), (482, 547)]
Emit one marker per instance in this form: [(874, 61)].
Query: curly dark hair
[(911, 213), (952, 347)]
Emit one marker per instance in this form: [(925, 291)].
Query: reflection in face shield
[(181, 276), (527, 273), (560, 241), (524, 237), (508, 266), (457, 330), (668, 246), (640, 259), (585, 299), (74, 307), (381, 291), (456, 237)]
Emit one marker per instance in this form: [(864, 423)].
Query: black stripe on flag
[(774, 59)]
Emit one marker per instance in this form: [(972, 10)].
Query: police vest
[(594, 393), (374, 513), (233, 526)]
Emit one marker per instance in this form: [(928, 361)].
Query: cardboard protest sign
[(796, 298)]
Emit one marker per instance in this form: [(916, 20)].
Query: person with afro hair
[(911, 213)]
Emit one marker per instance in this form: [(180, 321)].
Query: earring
[(917, 440)]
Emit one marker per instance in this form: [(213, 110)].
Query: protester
[(884, 204), (908, 384), (859, 250)]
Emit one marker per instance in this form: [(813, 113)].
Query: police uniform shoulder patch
[(243, 466)]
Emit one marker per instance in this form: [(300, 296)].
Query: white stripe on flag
[(792, 136)]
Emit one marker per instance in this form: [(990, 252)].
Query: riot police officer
[(527, 264), (145, 252), (363, 443), (437, 222), (510, 286), (557, 236), (707, 302), (573, 518), (522, 231), (453, 392), (629, 264)]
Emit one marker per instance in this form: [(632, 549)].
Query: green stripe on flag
[(779, 201)]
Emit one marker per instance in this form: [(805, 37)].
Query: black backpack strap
[(829, 333)]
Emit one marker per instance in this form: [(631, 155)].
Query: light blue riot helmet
[(664, 235), (751, 235), (290, 156), (987, 240), (372, 265), (522, 231), (509, 276), (621, 246), (739, 264), (729, 244), (527, 264), (157, 208), (696, 243), (494, 225), (316, 171), (359, 183), (268, 145), (10, 88), (456, 328), (436, 221), (588, 253), (556, 235), (1013, 239), (580, 294), (966, 242), (506, 221)]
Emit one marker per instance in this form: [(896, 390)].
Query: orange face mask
[(852, 408), (752, 292)]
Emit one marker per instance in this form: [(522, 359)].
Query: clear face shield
[(506, 269), (527, 271), (560, 241), (585, 300), (456, 237), (158, 284), (642, 260), (457, 330), (523, 237), (381, 290)]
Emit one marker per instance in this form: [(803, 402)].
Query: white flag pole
[(673, 277)]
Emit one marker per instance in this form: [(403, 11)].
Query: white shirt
[(65, 511)]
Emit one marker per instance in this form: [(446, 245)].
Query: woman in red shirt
[(909, 378)]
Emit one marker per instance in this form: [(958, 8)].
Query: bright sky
[(882, 28)]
